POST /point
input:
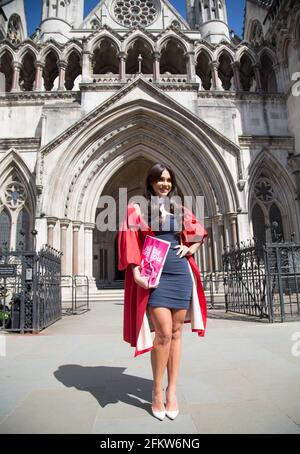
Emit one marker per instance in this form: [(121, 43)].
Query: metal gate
[(283, 283), (263, 280), (30, 293)]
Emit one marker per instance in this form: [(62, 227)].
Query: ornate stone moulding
[(132, 13)]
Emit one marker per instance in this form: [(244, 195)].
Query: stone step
[(118, 295)]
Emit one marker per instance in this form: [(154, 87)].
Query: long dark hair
[(154, 175)]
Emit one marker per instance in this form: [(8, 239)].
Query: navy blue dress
[(175, 287)]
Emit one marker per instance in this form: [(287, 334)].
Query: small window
[(5, 226)]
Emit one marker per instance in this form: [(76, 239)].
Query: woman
[(179, 296)]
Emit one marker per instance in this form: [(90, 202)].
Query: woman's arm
[(142, 281), (194, 248)]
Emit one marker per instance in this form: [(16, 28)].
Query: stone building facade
[(88, 104)]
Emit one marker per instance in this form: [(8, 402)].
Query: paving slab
[(78, 376)]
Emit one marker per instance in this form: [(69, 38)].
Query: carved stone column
[(216, 84), (236, 74), (256, 69), (51, 223), (122, 66), (62, 75), (86, 62), (227, 232), (210, 263), (233, 224), (64, 224), (156, 66), (76, 258), (88, 249), (285, 75), (191, 66), (16, 76), (217, 251), (39, 66), (204, 255)]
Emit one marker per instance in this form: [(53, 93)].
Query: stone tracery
[(132, 13)]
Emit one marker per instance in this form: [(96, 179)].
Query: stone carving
[(264, 190), (132, 13), (14, 34), (14, 195)]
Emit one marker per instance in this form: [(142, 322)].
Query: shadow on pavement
[(109, 385)]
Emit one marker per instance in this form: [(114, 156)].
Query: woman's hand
[(183, 250), (142, 281)]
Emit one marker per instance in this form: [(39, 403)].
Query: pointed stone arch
[(223, 49), (267, 167), (93, 42), (105, 56), (73, 69), (28, 70), (173, 56), (27, 46), (50, 48), (138, 35), (267, 61), (136, 47), (7, 67), (139, 111), (203, 68), (172, 35), (50, 70), (17, 194), (72, 47), (225, 71)]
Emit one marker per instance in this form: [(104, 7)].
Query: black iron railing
[(263, 280), (30, 293)]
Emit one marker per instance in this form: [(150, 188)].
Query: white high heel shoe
[(158, 414), (172, 414)]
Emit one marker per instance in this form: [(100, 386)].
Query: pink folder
[(154, 255)]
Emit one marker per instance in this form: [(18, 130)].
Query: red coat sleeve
[(129, 240), (193, 231)]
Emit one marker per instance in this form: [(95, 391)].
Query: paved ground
[(78, 376)]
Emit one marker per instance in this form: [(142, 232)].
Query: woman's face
[(163, 185)]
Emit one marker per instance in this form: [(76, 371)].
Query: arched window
[(203, 70), (172, 58), (27, 75), (139, 47), (258, 222), (247, 76), (7, 68), (225, 71), (50, 73), (23, 228), (276, 223), (105, 60), (267, 74), (73, 70), (5, 225)]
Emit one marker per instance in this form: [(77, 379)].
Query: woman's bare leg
[(173, 366), (162, 321)]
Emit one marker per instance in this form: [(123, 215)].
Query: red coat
[(136, 329)]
